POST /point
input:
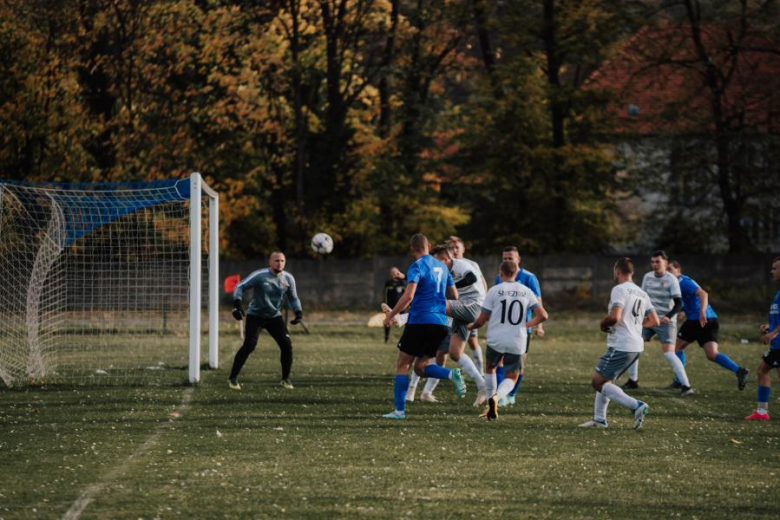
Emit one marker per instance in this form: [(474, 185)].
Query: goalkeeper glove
[(238, 310), (298, 318)]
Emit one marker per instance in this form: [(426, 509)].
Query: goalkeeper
[(269, 287)]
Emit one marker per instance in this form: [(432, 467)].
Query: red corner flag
[(231, 282)]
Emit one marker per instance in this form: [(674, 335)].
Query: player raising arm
[(771, 358), (629, 310), (505, 306), (429, 284)]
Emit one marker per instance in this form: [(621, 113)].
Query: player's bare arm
[(481, 320), (539, 330), (540, 316), (704, 298), (651, 320), (403, 303), (612, 318), (452, 292), (770, 335)]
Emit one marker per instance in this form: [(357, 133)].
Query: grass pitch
[(321, 450)]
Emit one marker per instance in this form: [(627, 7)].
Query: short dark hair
[(675, 264), (418, 242), (660, 253), (511, 249), (776, 260), (625, 265), (275, 252), (441, 248), (508, 268), (452, 239)]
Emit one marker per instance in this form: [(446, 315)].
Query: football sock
[(600, 407), (677, 366), (504, 388), (437, 372), (681, 356), (499, 375), (726, 362), (517, 385), (415, 380), (763, 399), (633, 371), (476, 355), (468, 366), (490, 385), (430, 385), (399, 391), (615, 393)]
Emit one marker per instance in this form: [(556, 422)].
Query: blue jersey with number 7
[(429, 306)]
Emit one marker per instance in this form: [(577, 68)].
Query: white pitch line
[(89, 494)]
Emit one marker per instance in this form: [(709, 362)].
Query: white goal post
[(102, 282), (197, 189)]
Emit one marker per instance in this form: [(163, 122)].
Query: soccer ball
[(322, 243)]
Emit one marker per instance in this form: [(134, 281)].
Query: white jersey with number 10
[(507, 304), (626, 334)]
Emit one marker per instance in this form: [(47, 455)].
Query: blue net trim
[(87, 206)]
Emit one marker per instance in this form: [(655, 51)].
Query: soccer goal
[(103, 283)]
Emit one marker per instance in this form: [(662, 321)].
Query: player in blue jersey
[(429, 285), (701, 325), (269, 287), (527, 278), (771, 358)]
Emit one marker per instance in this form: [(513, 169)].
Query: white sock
[(430, 385), (414, 380), (600, 407), (490, 385), (633, 371), (505, 387), (468, 366), (476, 355), (677, 366), (615, 393)]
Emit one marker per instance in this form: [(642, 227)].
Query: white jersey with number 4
[(626, 334), (507, 303)]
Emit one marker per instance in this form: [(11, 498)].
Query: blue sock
[(499, 375), (763, 394), (726, 362), (437, 372), (517, 386), (399, 391)]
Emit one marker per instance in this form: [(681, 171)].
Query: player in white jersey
[(506, 307), (458, 249), (666, 297), (629, 311), (463, 311)]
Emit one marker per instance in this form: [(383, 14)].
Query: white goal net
[(102, 283)]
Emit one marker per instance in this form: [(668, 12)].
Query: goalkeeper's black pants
[(277, 328)]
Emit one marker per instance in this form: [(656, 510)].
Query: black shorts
[(692, 331), (422, 340), (772, 358)]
